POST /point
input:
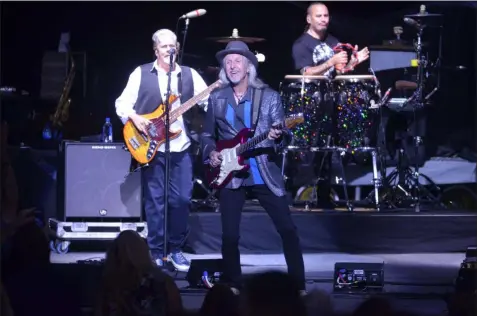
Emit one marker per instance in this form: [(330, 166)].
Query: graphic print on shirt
[(322, 53)]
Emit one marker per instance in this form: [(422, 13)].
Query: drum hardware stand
[(210, 201), (349, 204)]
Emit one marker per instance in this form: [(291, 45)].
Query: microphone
[(193, 14), (412, 23), (172, 51)]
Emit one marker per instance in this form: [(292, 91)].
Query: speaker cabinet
[(94, 182)]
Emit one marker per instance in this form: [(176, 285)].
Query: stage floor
[(421, 252), (414, 282)]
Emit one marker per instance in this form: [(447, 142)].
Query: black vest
[(150, 97)]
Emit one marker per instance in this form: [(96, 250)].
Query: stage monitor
[(358, 277)]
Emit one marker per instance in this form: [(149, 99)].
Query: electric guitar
[(143, 147), (232, 153)]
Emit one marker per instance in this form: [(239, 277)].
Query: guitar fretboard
[(193, 101), (253, 142)]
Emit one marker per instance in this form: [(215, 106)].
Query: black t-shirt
[(309, 51)]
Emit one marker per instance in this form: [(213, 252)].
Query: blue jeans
[(180, 194)]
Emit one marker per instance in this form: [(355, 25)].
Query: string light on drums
[(355, 113), (308, 95)]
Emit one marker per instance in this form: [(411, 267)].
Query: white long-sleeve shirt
[(126, 101)]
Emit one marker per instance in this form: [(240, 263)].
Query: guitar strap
[(256, 105)]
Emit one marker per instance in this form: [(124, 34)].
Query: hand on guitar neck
[(275, 133)]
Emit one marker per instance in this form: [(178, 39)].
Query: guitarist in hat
[(145, 91), (244, 101)]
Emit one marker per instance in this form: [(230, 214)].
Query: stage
[(421, 252), (414, 282)]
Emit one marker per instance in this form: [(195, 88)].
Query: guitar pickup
[(134, 143), (152, 130)]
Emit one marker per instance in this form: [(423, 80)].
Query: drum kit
[(341, 119)]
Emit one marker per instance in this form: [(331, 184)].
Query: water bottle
[(107, 131)]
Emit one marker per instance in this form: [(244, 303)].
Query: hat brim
[(248, 54)]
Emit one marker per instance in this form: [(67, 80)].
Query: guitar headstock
[(294, 119)]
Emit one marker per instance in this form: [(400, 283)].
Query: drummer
[(313, 50)]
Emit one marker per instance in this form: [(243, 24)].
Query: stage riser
[(349, 233)]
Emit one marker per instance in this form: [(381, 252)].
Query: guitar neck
[(253, 142), (191, 102)]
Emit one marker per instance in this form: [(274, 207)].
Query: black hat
[(237, 47)]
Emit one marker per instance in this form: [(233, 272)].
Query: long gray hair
[(253, 80)]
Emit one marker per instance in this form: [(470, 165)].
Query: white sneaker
[(179, 261)]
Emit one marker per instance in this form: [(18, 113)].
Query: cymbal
[(225, 40), (235, 37), (423, 15)]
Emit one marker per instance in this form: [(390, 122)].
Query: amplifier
[(94, 182)]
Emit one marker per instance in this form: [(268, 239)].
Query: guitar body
[(143, 148), (232, 163)]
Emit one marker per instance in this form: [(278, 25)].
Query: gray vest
[(150, 97)]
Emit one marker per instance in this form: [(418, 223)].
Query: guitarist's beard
[(236, 82)]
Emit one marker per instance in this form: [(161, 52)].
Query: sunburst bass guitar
[(143, 147), (232, 153)]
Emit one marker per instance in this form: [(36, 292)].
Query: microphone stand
[(186, 27), (167, 155)]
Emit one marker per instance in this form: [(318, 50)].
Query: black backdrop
[(117, 37)]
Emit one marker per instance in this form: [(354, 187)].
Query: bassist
[(144, 92), (231, 109)]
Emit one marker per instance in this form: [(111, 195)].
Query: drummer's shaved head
[(313, 4)]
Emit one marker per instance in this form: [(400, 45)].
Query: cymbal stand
[(437, 64), (416, 101), (210, 201), (418, 97)]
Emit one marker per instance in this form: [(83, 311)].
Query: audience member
[(273, 294), (318, 303), (9, 181), (132, 285), (29, 279), (5, 307), (374, 306), (220, 301)]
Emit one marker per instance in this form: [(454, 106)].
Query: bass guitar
[(232, 153), (143, 147)]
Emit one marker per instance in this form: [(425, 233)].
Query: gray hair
[(253, 79), (156, 37)]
